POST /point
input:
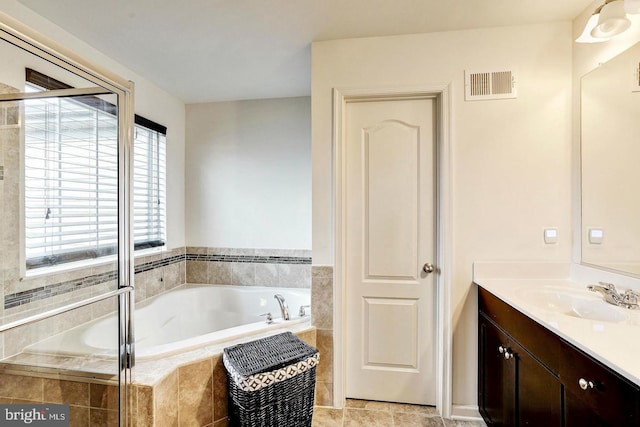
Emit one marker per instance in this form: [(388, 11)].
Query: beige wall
[(248, 174), (511, 158)]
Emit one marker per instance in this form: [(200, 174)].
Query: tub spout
[(283, 306)]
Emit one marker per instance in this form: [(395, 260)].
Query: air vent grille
[(489, 85)]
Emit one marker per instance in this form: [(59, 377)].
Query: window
[(149, 185), (71, 178)]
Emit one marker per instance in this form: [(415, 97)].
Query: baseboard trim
[(465, 413)]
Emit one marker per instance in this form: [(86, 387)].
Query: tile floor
[(363, 413)]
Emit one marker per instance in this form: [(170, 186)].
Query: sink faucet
[(608, 291), (283, 306), (628, 300)]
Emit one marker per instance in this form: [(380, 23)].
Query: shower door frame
[(21, 36)]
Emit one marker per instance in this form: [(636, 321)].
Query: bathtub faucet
[(303, 310), (283, 306)]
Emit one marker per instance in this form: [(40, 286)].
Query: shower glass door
[(64, 237)]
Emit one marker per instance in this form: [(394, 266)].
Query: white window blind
[(71, 180), (149, 187)]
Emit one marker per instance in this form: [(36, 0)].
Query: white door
[(390, 231)]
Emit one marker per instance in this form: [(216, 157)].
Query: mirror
[(610, 156)]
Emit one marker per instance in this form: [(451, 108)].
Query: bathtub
[(185, 318)]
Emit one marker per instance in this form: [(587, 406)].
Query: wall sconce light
[(608, 21), (586, 36), (612, 21)]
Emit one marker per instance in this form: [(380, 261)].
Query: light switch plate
[(596, 235), (550, 236)]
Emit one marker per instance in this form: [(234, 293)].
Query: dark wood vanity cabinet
[(514, 389), (528, 376)]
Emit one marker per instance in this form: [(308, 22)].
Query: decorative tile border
[(141, 268), (44, 292), (48, 291), (256, 259)]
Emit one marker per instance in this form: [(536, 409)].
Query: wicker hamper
[(271, 382)]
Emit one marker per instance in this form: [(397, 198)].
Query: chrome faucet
[(283, 306), (303, 310), (628, 300)]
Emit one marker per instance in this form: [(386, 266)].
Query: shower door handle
[(428, 268)]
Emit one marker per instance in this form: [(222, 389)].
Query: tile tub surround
[(168, 266), (190, 388), (288, 268), (322, 320), (154, 274), (90, 403), (187, 389)]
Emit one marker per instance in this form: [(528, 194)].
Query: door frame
[(442, 95)]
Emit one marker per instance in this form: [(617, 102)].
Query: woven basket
[(271, 382)]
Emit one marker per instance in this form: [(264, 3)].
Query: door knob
[(428, 268)]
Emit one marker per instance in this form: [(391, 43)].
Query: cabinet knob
[(506, 352), (584, 384)]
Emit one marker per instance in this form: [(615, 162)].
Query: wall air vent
[(483, 85)]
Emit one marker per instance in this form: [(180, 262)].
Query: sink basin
[(573, 302)]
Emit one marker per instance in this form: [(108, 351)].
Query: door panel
[(391, 210), (390, 344), (390, 235)]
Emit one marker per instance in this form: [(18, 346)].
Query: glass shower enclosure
[(65, 245)]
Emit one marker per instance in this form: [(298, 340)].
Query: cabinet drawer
[(537, 339), (612, 397)]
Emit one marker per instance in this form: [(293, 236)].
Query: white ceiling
[(213, 50)]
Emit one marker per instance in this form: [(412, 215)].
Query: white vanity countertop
[(615, 344)]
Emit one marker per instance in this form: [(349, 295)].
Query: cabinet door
[(496, 382), (579, 414), (539, 392), (594, 394)]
